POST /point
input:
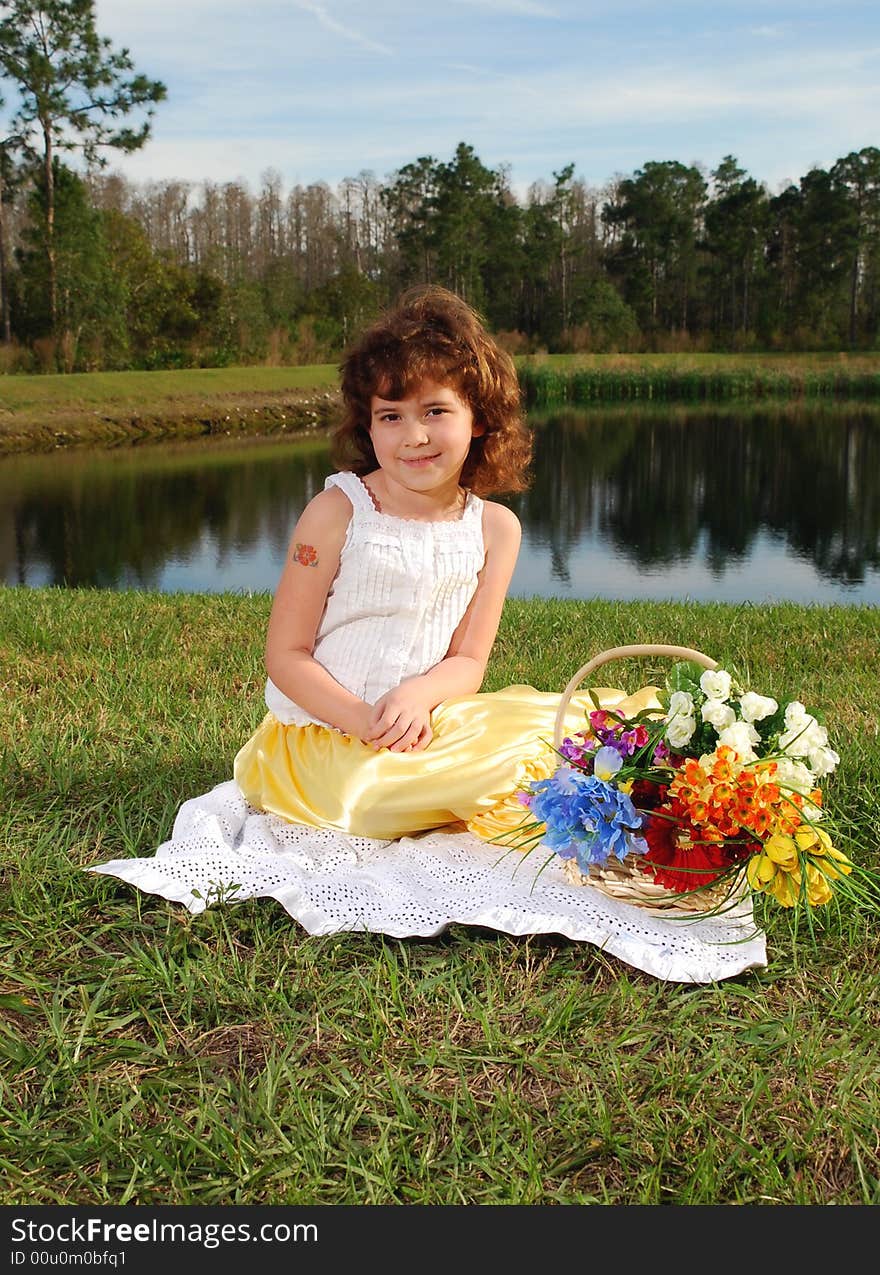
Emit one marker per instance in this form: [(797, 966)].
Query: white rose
[(796, 715), (754, 708), (823, 761), (740, 737), (681, 704), (715, 684), (680, 731), (804, 738), (718, 714), (793, 776)]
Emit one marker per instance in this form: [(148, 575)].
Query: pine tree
[(74, 90)]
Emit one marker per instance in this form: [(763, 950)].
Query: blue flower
[(585, 819)]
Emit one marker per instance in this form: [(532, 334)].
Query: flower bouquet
[(691, 805)]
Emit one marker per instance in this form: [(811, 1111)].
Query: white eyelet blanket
[(222, 850)]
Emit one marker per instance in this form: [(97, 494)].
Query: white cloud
[(338, 28), (520, 8), (222, 160)]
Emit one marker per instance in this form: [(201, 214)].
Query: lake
[(772, 504)]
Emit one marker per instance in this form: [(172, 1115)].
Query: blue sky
[(323, 91)]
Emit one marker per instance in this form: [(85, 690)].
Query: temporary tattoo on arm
[(305, 555)]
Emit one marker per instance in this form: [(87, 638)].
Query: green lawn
[(149, 1056), (143, 390)]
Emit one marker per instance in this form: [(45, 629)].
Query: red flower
[(678, 863)]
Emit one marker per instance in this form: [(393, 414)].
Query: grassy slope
[(38, 413), (136, 389)]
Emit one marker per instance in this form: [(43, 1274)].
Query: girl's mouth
[(418, 461)]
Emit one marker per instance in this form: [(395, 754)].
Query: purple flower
[(578, 749)]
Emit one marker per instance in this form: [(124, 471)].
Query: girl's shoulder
[(330, 509), (500, 524)]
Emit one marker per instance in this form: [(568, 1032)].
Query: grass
[(695, 378), (131, 389), (44, 412), (149, 1056)]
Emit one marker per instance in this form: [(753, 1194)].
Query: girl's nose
[(417, 431)]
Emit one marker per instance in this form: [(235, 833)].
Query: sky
[(322, 91)]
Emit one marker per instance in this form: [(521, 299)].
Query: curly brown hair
[(432, 334)]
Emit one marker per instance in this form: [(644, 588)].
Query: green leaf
[(685, 676)]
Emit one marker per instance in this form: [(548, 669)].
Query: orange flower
[(761, 821), (694, 773), (722, 767)]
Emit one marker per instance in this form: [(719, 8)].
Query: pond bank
[(51, 426)]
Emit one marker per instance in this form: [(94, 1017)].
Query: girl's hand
[(400, 721)]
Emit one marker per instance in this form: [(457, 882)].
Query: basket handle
[(620, 653)]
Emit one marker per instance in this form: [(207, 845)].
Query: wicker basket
[(625, 879)]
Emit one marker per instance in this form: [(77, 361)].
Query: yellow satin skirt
[(485, 748)]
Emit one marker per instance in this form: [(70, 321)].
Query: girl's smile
[(416, 462)]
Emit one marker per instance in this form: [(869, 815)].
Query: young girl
[(377, 731), (389, 604)]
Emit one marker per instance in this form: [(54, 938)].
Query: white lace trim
[(222, 850), (370, 515)]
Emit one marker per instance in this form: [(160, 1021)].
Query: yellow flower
[(779, 868), (818, 889), (816, 843), (776, 871)]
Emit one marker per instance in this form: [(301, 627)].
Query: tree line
[(99, 272)]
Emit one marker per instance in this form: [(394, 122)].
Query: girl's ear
[(477, 429)]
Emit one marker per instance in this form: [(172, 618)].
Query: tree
[(10, 180), (858, 175), (6, 177), (780, 299), (409, 202), (659, 210), (736, 229), (466, 190), (74, 90), (825, 236), (88, 286), (452, 223)]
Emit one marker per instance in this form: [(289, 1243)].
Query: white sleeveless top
[(400, 592)]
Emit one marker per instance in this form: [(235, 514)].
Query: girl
[(376, 731), (389, 604)]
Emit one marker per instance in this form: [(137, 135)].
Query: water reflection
[(726, 493), (709, 504)]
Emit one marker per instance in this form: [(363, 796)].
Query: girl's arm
[(401, 720), (312, 563)]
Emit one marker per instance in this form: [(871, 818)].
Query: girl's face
[(422, 441)]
